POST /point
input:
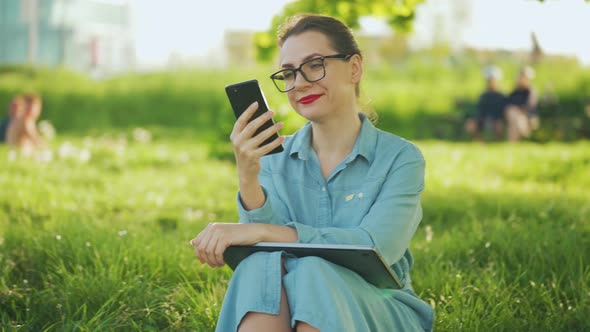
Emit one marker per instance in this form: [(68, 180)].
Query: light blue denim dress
[(371, 198)]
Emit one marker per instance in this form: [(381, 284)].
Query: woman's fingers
[(201, 244), (245, 130), (209, 251), (263, 150), (255, 124), (210, 245), (218, 252), (243, 119), (265, 134), (212, 242)]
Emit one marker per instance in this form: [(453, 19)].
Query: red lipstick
[(309, 99)]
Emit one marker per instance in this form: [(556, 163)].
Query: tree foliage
[(399, 14)]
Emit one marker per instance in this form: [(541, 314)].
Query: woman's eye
[(288, 75)]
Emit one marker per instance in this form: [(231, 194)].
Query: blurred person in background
[(15, 106), (521, 108), (22, 130), (339, 180), (490, 108)]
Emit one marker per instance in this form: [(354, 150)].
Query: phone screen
[(243, 94)]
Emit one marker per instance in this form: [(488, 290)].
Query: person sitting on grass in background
[(22, 130), (15, 106), (521, 109), (490, 108), (339, 180)]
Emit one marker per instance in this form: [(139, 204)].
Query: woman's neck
[(335, 138)]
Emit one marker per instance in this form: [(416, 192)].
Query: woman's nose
[(300, 81)]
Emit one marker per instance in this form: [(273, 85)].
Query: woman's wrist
[(275, 233), (252, 195)]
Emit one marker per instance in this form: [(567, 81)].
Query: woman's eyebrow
[(311, 56)]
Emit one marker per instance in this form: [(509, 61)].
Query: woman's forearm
[(277, 233), (251, 194)]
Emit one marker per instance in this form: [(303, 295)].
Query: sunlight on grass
[(94, 238)]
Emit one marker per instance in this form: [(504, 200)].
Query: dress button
[(323, 188)]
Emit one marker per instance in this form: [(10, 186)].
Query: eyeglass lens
[(312, 71)]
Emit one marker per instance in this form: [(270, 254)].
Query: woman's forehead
[(303, 46)]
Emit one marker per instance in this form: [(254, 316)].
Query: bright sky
[(561, 26), (194, 28)]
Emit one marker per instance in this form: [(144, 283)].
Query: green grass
[(102, 244)]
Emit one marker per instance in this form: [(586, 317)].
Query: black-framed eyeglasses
[(312, 70)]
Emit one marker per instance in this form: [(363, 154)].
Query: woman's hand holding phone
[(248, 151)]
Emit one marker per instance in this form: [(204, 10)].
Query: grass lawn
[(94, 235)]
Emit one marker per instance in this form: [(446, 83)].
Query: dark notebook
[(364, 260)]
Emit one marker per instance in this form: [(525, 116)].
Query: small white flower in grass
[(183, 157), (66, 150), (12, 155), (44, 156), (141, 135), (429, 233), (84, 155), (58, 237), (122, 233), (46, 129), (25, 281), (119, 150), (191, 214), (533, 284), (488, 244), (458, 276), (88, 244), (88, 141)]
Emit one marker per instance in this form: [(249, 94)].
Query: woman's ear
[(357, 68)]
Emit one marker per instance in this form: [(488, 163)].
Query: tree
[(398, 13)]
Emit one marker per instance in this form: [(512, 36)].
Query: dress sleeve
[(393, 219)]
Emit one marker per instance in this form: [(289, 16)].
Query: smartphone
[(243, 94)]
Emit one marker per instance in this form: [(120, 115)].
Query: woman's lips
[(309, 99)]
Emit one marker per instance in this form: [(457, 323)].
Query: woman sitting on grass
[(22, 129), (338, 181)]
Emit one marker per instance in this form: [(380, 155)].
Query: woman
[(339, 180), (22, 130), (521, 109)]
